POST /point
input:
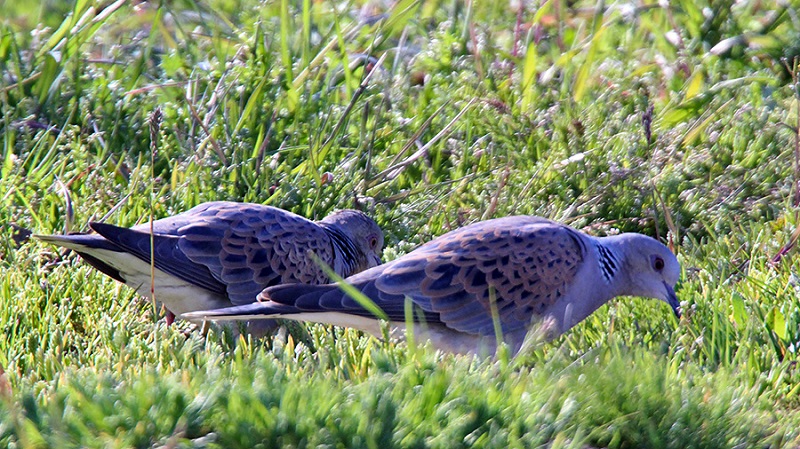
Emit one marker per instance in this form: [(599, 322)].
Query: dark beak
[(672, 300), (375, 261)]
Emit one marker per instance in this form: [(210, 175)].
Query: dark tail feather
[(169, 258), (102, 267), (332, 298), (130, 240), (299, 296), (255, 310), (76, 242)]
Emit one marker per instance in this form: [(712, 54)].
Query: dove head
[(362, 231), (651, 270)]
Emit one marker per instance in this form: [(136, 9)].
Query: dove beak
[(375, 260), (672, 300)]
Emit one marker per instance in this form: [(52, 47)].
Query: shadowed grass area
[(680, 121)]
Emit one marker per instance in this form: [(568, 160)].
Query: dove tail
[(280, 301), (85, 245), (299, 295)]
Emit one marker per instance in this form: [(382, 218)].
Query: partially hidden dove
[(220, 253), (492, 278)]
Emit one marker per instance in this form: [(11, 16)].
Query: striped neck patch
[(345, 251), (609, 263)]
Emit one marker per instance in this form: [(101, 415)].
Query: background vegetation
[(678, 119)]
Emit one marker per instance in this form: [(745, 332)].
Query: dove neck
[(612, 260), (347, 259), (611, 265), (591, 295)]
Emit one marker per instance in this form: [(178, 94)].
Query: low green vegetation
[(676, 119)]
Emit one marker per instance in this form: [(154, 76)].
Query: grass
[(680, 121)]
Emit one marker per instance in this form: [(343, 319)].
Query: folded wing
[(509, 270)]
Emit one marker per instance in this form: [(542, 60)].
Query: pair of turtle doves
[(235, 261)]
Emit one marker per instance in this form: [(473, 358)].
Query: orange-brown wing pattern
[(515, 267), (251, 247)]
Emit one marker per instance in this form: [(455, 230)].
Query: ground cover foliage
[(679, 120)]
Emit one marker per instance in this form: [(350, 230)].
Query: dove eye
[(658, 263), (373, 242)]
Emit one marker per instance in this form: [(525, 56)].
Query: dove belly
[(450, 340), (177, 295)]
